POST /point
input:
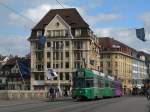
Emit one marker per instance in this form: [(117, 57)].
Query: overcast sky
[(113, 18)]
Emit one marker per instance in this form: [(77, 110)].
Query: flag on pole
[(51, 74), (42, 40), (140, 33), (24, 68)]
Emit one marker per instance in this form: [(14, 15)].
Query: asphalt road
[(123, 104)]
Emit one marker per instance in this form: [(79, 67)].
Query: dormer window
[(78, 32), (39, 33)]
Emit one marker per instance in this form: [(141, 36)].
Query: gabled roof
[(70, 15)]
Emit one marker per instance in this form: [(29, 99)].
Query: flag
[(42, 40), (140, 33), (51, 74), (24, 68)]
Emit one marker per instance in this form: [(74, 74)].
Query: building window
[(61, 55), (57, 24), (108, 64), (67, 64), (39, 33), (61, 76), (78, 44), (48, 65), (39, 56), (54, 54), (77, 65), (78, 32), (67, 75), (116, 64), (57, 55), (49, 34), (57, 65), (48, 44), (36, 76), (101, 64), (101, 56), (39, 67), (108, 56), (67, 43), (67, 54), (61, 65), (0, 81), (48, 54), (41, 77), (63, 33), (56, 33), (78, 55)]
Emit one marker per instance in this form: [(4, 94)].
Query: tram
[(91, 84)]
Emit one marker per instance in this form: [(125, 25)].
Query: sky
[(117, 19)]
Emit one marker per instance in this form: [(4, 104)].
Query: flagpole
[(21, 74)]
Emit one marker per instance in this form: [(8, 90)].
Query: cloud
[(104, 18), (100, 18), (4, 1), (14, 44), (145, 17), (32, 15)]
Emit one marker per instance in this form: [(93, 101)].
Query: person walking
[(66, 92), (52, 94)]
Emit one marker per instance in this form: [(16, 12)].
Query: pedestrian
[(52, 94), (66, 92)]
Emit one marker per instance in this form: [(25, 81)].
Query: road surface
[(123, 104)]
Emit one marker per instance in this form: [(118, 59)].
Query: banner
[(24, 68), (42, 40)]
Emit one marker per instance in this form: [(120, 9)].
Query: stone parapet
[(20, 94)]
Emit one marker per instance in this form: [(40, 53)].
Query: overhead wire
[(13, 10), (59, 3)]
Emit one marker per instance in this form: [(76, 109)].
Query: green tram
[(91, 84)]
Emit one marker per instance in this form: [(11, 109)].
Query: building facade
[(70, 44), (123, 62), (140, 69)]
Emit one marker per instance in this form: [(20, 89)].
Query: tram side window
[(89, 83), (100, 83), (112, 84), (106, 84)]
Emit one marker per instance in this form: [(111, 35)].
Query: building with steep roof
[(70, 44)]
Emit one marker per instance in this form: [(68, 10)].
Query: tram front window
[(89, 83), (79, 83)]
